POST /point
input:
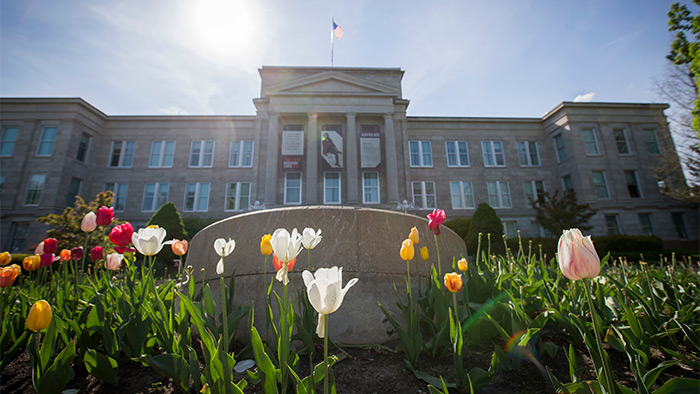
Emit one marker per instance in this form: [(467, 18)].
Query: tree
[(485, 221), (687, 53), (556, 214)]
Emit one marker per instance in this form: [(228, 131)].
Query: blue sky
[(463, 58)]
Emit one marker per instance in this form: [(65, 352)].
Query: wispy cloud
[(584, 98)]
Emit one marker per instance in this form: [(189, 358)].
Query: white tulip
[(223, 248), (311, 238), (149, 241), (325, 292), (286, 247)]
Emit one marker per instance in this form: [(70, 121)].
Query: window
[(237, 196), (424, 195), (661, 184), (73, 190), (632, 184), (196, 197), (331, 188), (34, 189), (154, 196), (120, 191), (493, 154), (528, 154), (462, 195), (651, 141), (457, 153), (612, 224), (421, 153), (510, 228), (292, 188), (241, 154), (162, 153), (370, 188), (9, 137), (202, 154), (534, 190), (19, 234), (621, 141), (567, 183), (48, 136), (83, 146), (122, 154), (590, 141), (679, 225), (499, 194), (600, 184), (645, 224), (538, 231), (560, 148)]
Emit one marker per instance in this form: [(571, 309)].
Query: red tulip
[(96, 253), (435, 220), (121, 234), (76, 253), (50, 245), (278, 264), (104, 216), (47, 259)]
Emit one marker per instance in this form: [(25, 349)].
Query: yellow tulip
[(424, 253), (265, 245), (5, 258), (462, 264), (407, 250), (39, 316), (414, 236), (31, 263), (453, 282)]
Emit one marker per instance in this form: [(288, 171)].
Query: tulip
[(114, 261), (149, 241), (39, 248), (577, 256), (435, 220), (31, 263), (462, 264), (265, 246), (50, 245), (414, 236), (121, 235), (5, 258), (278, 265), (77, 253), (326, 293), (104, 216), (89, 223), (223, 248), (179, 247), (453, 282), (310, 238), (39, 316), (424, 253), (64, 255), (47, 259), (286, 246), (407, 250), (96, 253), (9, 274)]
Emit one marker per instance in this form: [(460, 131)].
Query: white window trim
[(455, 144), (423, 195), (157, 186), (636, 179), (115, 194), (14, 143), (161, 156), (87, 149), (196, 197), (563, 184), (500, 196), (605, 182), (595, 141), (556, 149), (240, 144), (301, 188), (533, 185), (41, 192), (379, 191), (656, 139), (493, 152), (38, 146), (421, 153), (627, 141), (201, 154), (528, 157), (237, 207), (340, 189), (122, 154), (462, 196)]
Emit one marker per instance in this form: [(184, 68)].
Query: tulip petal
[(321, 326), (308, 278), (220, 267)]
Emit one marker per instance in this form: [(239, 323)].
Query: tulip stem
[(603, 362), (309, 258), (325, 354), (285, 334), (437, 248), (224, 311)]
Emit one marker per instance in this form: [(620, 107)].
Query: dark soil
[(371, 369)]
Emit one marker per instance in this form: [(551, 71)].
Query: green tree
[(485, 221), (168, 218), (556, 214), (685, 51)]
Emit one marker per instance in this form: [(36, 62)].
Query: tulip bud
[(96, 253), (76, 253), (104, 216), (5, 258), (414, 236), (31, 263), (578, 258), (46, 259), (114, 261), (435, 220), (424, 253), (407, 250), (179, 247), (50, 245), (462, 264), (89, 223), (453, 282), (39, 316), (265, 245), (9, 274), (121, 234), (64, 256), (39, 248)]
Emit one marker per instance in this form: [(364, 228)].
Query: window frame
[(365, 187), (241, 152), (528, 153), (70, 198), (559, 149), (161, 154), (87, 148), (15, 239), (43, 140), (594, 141), (237, 198), (605, 184), (117, 189), (499, 193), (626, 141), (655, 141), (535, 192), (457, 154), (462, 196), (492, 152), (156, 193), (38, 192), (202, 148), (197, 197), (325, 188), (286, 187), (421, 153), (636, 183), (5, 142), (123, 153), (616, 230), (679, 225), (424, 196), (514, 224), (643, 226), (563, 183)]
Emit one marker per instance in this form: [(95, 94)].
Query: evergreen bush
[(485, 221), (459, 225), (168, 218)]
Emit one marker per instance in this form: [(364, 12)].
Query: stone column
[(311, 180), (392, 182), (272, 160), (351, 157)]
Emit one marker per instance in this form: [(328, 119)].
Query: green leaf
[(57, 376), (102, 367), (172, 366), (651, 376), (679, 386), (269, 377), (584, 387)]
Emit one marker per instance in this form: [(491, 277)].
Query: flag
[(338, 31)]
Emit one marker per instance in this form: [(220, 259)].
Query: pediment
[(332, 83)]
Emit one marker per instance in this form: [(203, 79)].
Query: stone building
[(340, 136)]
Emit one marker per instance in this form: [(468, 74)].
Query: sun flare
[(225, 29)]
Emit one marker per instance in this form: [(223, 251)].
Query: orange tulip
[(453, 282), (9, 274), (31, 263), (278, 264), (5, 258), (39, 316), (64, 256), (265, 245), (407, 250), (414, 236), (179, 247), (462, 264)]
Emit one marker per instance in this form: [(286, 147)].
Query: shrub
[(193, 225), (627, 244), (168, 218), (485, 221), (459, 225)]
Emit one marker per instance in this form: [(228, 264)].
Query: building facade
[(338, 136)]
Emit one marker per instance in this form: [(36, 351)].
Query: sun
[(225, 29)]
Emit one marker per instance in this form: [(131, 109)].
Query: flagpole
[(332, 41)]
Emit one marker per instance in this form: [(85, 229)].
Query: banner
[(293, 143), (370, 147), (332, 146)]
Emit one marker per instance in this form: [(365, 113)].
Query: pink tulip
[(47, 259), (114, 261), (96, 253), (435, 220), (104, 216), (39, 248), (577, 256), (89, 223), (76, 253)]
